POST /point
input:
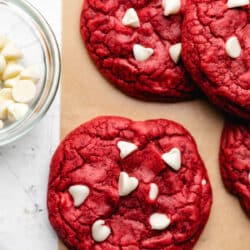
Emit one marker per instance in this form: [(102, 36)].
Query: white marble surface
[(24, 167)]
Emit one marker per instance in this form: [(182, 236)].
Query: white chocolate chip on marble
[(2, 63), (173, 158), (126, 184), (17, 111), (153, 192), (79, 194), (30, 73), (171, 7), (126, 148), (142, 53), (1, 124), (175, 52), (11, 52), (131, 18), (233, 47), (24, 91), (100, 232), (159, 221), (11, 71), (237, 3)]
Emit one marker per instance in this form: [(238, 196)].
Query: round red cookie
[(216, 51), (118, 184), (111, 43), (235, 161)]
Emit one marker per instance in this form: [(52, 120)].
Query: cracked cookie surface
[(110, 44), (234, 161), (90, 156), (208, 48)]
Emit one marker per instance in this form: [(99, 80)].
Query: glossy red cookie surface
[(208, 28), (92, 156), (235, 161), (110, 44)]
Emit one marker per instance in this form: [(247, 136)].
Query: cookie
[(118, 184), (215, 41), (137, 46), (234, 161)]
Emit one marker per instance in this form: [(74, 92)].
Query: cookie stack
[(122, 184)]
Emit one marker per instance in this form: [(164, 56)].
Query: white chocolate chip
[(4, 104), (203, 182), (126, 184), (171, 7), (11, 52), (3, 41), (233, 47), (173, 158), (6, 94), (175, 52), (154, 191), (237, 3), (126, 148), (17, 111), (1, 124), (159, 221), (24, 91), (30, 73), (79, 194), (131, 18), (142, 53), (100, 232), (10, 83), (11, 71), (2, 63)]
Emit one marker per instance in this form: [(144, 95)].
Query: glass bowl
[(25, 26)]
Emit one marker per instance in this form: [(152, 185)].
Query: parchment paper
[(86, 94)]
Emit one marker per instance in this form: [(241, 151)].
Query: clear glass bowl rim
[(54, 52)]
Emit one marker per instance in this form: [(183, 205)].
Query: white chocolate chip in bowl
[(11, 82), (2, 63), (3, 41), (12, 70), (6, 94), (233, 47), (159, 221), (142, 53), (11, 52), (30, 73), (4, 105), (171, 7), (237, 3), (24, 91), (100, 232), (17, 111), (131, 18)]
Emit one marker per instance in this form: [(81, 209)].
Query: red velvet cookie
[(118, 184), (137, 47), (235, 161), (216, 51)]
